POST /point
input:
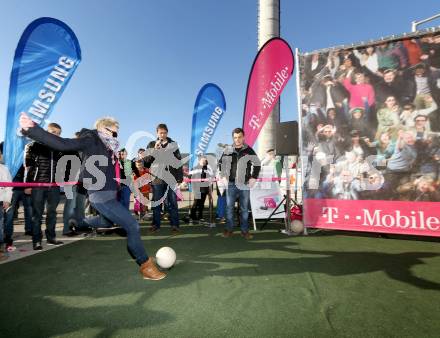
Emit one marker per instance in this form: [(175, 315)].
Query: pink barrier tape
[(34, 185), (271, 179)]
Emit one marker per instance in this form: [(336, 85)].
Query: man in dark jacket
[(40, 166), (239, 168), (164, 160)]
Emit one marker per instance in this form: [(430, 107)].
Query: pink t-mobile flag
[(272, 68)]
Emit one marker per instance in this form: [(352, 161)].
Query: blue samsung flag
[(45, 59), (209, 109)]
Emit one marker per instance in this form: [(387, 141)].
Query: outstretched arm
[(35, 132)]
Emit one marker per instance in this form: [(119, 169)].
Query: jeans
[(39, 198), (112, 211), (232, 192), (17, 196), (170, 201), (125, 194), (221, 206), (74, 209)]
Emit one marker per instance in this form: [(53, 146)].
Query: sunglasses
[(114, 133)]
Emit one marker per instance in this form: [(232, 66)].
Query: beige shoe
[(150, 271)]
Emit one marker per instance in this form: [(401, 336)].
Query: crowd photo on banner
[(371, 121)]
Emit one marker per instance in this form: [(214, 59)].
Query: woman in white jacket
[(5, 200)]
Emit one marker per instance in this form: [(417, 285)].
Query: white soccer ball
[(296, 226), (165, 257)]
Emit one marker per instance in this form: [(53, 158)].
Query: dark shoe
[(227, 233), (38, 246), (85, 230), (175, 231), (150, 271), (246, 235), (153, 229), (71, 233), (54, 242), (28, 233)]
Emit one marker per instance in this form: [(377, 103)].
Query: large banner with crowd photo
[(370, 129)]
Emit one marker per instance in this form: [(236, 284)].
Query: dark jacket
[(228, 163), (400, 88), (175, 169), (40, 162), (87, 144), (19, 178)]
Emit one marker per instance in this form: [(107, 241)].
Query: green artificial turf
[(329, 285)]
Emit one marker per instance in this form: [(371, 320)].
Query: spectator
[(5, 200), (201, 171), (388, 118), (361, 93), (19, 194), (239, 169), (164, 161), (75, 203), (126, 172), (409, 113), (271, 160), (40, 164), (423, 189), (142, 179), (400, 164)]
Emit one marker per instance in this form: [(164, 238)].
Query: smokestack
[(268, 27)]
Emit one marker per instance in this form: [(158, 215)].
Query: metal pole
[(299, 159), (287, 231), (268, 27), (414, 24), (211, 206)]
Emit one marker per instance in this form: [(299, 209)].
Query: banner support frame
[(299, 159)]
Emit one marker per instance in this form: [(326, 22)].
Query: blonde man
[(98, 174)]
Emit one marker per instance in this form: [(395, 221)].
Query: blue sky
[(144, 61)]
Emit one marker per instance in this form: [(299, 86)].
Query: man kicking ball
[(98, 149)]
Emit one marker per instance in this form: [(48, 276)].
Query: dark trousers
[(198, 206), (40, 198), (17, 196), (169, 200)]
